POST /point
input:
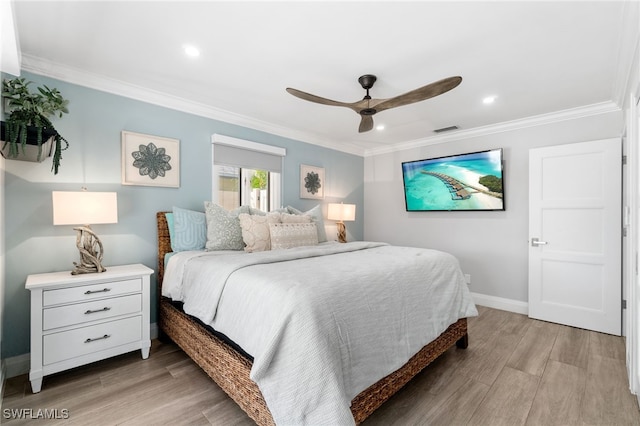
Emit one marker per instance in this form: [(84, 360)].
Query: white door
[(575, 235)]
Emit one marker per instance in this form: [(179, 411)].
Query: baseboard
[(17, 365), (153, 330), (503, 304), (2, 376)]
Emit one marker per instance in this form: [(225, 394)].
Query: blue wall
[(93, 126)]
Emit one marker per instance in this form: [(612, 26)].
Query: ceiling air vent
[(446, 129)]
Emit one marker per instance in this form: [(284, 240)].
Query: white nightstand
[(78, 319)]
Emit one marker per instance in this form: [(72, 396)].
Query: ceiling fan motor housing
[(367, 81)]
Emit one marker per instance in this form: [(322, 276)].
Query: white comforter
[(326, 326)]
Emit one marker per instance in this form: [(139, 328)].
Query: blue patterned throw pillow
[(189, 229)]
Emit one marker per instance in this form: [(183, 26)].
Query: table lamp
[(341, 212), (84, 208)]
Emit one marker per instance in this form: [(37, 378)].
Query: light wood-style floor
[(516, 371)]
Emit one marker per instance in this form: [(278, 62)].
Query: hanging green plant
[(25, 112)]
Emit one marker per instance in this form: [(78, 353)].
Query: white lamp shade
[(84, 208), (341, 212)]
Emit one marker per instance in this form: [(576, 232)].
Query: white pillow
[(316, 216), (255, 230), (295, 218), (289, 235)]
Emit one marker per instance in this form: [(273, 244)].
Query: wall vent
[(446, 129)]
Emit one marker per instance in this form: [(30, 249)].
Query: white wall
[(491, 246)]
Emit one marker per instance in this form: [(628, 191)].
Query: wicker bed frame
[(230, 370)]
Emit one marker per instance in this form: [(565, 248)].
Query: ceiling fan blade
[(429, 91), (366, 123), (317, 99)]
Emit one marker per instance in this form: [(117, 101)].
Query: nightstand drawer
[(78, 313), (90, 292), (85, 340)]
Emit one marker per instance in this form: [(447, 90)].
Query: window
[(248, 187), (228, 186), (246, 173)]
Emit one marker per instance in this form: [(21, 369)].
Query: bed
[(230, 366)]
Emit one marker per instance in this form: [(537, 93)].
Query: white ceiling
[(536, 57)]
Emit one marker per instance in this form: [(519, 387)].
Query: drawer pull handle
[(106, 336), (104, 290), (105, 309)]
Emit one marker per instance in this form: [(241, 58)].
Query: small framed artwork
[(150, 160), (311, 182)]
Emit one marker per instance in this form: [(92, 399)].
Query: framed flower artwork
[(311, 182), (150, 160)]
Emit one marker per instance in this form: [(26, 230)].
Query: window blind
[(246, 158)]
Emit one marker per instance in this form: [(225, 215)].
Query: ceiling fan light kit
[(368, 107)]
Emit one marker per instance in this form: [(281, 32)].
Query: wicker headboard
[(164, 245)]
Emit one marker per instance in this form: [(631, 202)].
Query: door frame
[(631, 243)]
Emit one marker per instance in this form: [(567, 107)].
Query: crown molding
[(99, 82), (507, 126), (102, 83)]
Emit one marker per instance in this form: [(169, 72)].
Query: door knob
[(535, 242)]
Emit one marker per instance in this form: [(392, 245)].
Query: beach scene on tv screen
[(463, 182)]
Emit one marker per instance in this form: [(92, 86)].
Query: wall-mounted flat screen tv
[(471, 182)]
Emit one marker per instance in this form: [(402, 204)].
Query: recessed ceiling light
[(489, 100), (191, 50), (380, 127)]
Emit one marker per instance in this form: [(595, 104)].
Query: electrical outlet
[(467, 278)]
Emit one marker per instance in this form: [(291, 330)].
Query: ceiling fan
[(368, 107)]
